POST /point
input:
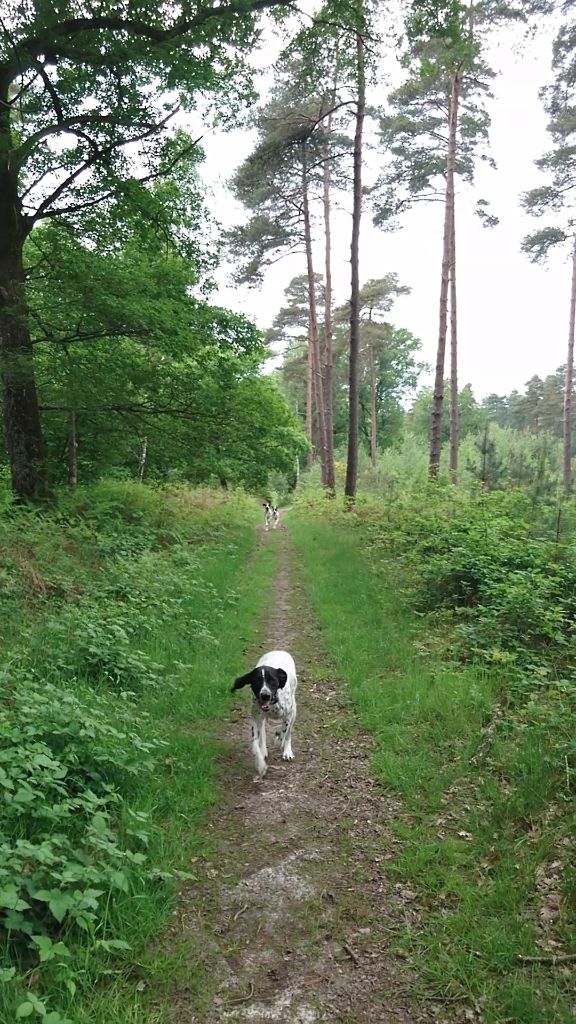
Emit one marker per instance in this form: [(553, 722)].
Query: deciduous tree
[(85, 96)]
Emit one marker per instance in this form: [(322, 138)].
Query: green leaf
[(24, 1010), (10, 898), (60, 904)]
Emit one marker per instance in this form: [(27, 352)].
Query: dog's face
[(264, 682)]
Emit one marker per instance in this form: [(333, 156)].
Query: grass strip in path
[(481, 871)]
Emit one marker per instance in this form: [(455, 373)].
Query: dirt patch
[(292, 919)]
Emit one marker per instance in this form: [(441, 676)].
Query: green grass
[(176, 573), (474, 835)]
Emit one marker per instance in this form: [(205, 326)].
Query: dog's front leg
[(259, 738), (263, 745), (286, 736)]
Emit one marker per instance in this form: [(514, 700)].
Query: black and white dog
[(273, 683), (267, 514), (275, 516)]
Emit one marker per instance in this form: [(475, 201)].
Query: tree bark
[(309, 398), (373, 416), (567, 418), (353, 376), (438, 400), (72, 449), (328, 328), (454, 433), (318, 386), (22, 425), (142, 463)]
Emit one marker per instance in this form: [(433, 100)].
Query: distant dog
[(275, 516), (268, 514), (273, 683)]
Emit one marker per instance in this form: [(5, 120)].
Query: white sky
[(512, 315)]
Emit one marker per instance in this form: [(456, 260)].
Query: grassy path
[(292, 913)]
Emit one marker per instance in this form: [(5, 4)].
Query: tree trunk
[(22, 426), (318, 387), (373, 417), (567, 420), (142, 463), (438, 400), (453, 355), (328, 329), (353, 377), (309, 398), (72, 449)]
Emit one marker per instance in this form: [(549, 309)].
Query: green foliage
[(392, 349), (114, 601), (419, 415), (163, 363), (65, 760)]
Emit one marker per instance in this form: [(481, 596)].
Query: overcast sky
[(512, 315)]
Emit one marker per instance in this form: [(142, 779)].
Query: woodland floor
[(292, 918)]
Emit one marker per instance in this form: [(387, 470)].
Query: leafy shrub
[(66, 762)]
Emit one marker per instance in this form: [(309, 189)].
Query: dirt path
[(291, 920)]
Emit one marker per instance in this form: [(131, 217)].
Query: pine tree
[(557, 202)]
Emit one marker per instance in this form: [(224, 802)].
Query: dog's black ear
[(242, 681), (282, 677)]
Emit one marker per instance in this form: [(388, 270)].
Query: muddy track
[(293, 917)]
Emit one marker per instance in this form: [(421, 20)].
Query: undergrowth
[(450, 616), (122, 626)]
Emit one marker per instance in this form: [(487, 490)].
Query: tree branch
[(56, 40)]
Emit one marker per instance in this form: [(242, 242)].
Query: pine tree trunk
[(373, 417), (328, 329), (22, 426), (453, 355), (72, 449), (309, 399), (318, 387), (567, 420), (438, 399), (353, 377)]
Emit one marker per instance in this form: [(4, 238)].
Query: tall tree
[(278, 183), (353, 377), (445, 24), (82, 102), (454, 436), (328, 326), (557, 202), (434, 134)]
